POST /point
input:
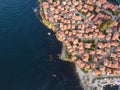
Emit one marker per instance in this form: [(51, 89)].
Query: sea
[(28, 54)]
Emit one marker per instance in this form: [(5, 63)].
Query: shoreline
[(63, 50), (85, 79), (42, 18), (81, 77), (78, 71)]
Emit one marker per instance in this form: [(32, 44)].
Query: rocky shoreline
[(86, 64), (62, 55)]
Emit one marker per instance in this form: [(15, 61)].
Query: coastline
[(42, 18), (85, 79), (81, 77), (62, 55)]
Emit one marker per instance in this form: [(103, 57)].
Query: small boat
[(49, 33), (54, 75), (35, 9)]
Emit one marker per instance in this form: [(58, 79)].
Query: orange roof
[(98, 72), (45, 5)]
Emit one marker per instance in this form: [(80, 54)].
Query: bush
[(106, 25)]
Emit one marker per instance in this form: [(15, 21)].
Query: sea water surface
[(26, 51), (28, 56)]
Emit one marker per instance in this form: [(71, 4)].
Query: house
[(87, 45), (91, 16), (78, 62), (87, 66), (99, 51), (93, 65), (51, 19), (85, 57), (46, 16), (69, 3), (66, 32), (115, 36), (118, 49), (97, 72), (79, 35), (88, 14), (108, 71), (92, 52), (64, 2), (108, 38), (114, 43), (90, 8), (95, 34), (86, 35), (74, 32), (100, 45), (50, 1), (98, 3), (82, 65), (115, 23), (97, 10), (102, 68), (75, 41), (101, 35), (73, 58), (45, 5), (81, 51), (79, 7)]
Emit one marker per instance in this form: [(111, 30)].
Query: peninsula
[(90, 33)]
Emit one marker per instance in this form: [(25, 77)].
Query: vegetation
[(114, 12), (78, 57), (87, 40), (87, 50), (68, 55), (94, 10), (71, 43), (93, 46), (83, 13), (110, 58), (119, 37), (46, 22), (85, 71), (90, 59), (105, 25)]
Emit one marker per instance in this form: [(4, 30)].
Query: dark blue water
[(24, 52), (25, 48)]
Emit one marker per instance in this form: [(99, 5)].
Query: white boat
[(35, 10), (54, 75), (49, 33)]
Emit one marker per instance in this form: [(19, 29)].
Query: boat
[(49, 33), (54, 75), (35, 9)]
